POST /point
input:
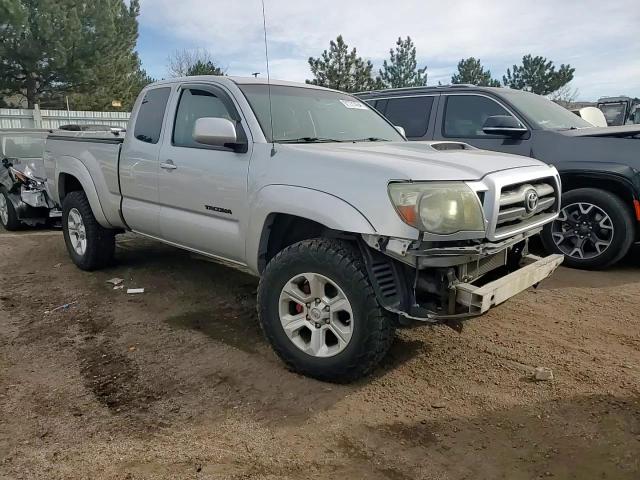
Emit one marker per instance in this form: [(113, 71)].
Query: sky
[(600, 38)]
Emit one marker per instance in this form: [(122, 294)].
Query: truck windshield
[(543, 112), (305, 115)]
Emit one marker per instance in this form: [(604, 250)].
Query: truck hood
[(623, 131), (417, 160)]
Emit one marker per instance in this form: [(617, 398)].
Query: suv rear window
[(410, 113), (151, 114)]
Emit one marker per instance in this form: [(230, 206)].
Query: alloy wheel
[(77, 232), (4, 210), (582, 231), (316, 315)]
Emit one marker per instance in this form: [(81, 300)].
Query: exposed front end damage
[(27, 194), (471, 248), (428, 282)]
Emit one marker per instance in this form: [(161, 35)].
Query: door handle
[(168, 165)]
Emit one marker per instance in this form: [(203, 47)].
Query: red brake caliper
[(306, 288)]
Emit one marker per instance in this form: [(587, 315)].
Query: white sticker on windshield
[(354, 104)]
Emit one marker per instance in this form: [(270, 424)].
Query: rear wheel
[(319, 311), (90, 245), (594, 229), (8, 216)]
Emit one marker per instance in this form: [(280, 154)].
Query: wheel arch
[(285, 214), (72, 175), (609, 182)]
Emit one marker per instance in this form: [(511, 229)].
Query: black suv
[(600, 215)]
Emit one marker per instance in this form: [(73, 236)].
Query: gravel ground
[(178, 382)]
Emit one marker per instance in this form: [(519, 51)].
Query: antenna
[(266, 54)]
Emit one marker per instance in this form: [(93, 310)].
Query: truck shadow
[(225, 297)]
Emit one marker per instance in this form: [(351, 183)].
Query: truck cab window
[(151, 114), (195, 104), (410, 113), (465, 115)]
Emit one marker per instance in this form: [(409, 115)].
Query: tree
[(538, 75), (471, 71), (402, 69), (341, 69), (118, 74), (202, 68), (184, 63), (86, 50), (565, 96)]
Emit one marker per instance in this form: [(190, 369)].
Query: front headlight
[(440, 208)]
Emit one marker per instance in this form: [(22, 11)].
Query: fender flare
[(72, 166), (622, 175), (327, 209)]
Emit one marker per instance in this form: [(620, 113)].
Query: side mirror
[(401, 130), (215, 131), (504, 125)]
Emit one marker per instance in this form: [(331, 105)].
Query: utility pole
[(68, 110)]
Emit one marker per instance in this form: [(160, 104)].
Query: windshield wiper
[(370, 139), (308, 140)]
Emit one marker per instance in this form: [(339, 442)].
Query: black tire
[(621, 219), (372, 329), (12, 222), (101, 241)]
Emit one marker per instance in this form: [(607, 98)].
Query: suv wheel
[(8, 216), (320, 313), (594, 229), (90, 245)]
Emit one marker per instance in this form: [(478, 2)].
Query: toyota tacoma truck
[(599, 167), (352, 230)]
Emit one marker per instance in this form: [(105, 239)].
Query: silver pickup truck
[(352, 229)]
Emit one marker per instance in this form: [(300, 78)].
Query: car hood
[(623, 131), (417, 160)]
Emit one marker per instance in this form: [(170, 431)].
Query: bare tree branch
[(180, 62)]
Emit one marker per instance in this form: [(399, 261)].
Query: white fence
[(36, 118)]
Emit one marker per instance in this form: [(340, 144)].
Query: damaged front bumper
[(435, 284), (479, 299)]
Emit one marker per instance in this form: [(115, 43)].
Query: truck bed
[(92, 155)]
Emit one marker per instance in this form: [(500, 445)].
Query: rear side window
[(151, 114), (464, 115), (195, 104), (410, 113)]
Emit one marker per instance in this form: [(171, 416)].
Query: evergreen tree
[(538, 75), (402, 69), (84, 50), (204, 68), (341, 69), (471, 71)]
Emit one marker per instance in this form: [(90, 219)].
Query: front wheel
[(594, 229), (8, 216), (318, 310)]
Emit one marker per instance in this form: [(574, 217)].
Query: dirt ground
[(178, 382)]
